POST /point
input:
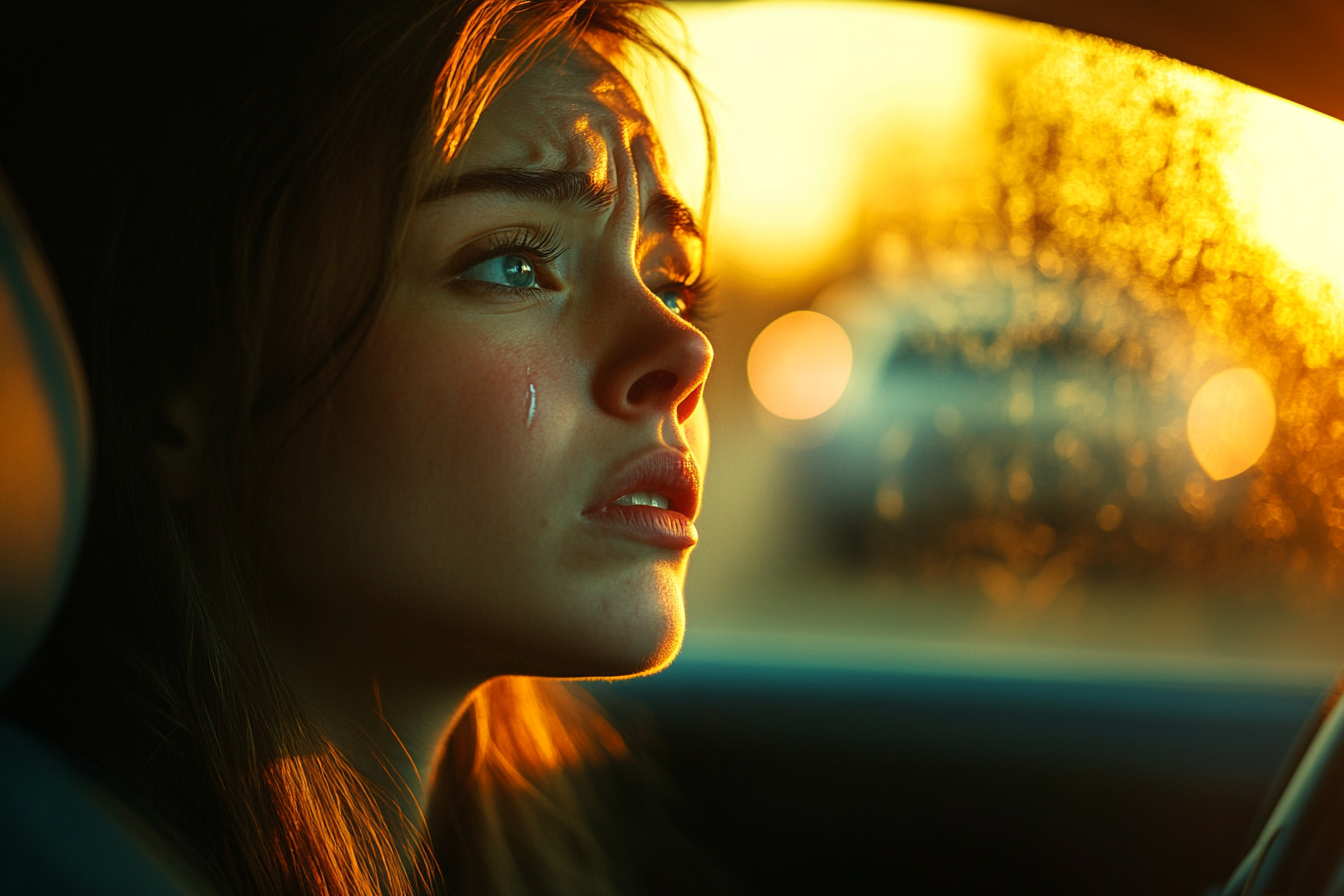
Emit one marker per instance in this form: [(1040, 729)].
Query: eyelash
[(700, 305), (545, 247), (542, 248)]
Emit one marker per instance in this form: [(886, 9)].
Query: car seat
[(59, 831)]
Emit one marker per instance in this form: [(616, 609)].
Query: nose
[(658, 364)]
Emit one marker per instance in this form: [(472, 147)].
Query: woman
[(390, 314)]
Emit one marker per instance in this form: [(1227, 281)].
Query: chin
[(641, 649), (658, 653)]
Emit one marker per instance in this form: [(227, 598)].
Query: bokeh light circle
[(1231, 421), (799, 365)]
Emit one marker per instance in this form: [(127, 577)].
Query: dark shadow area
[(826, 781)]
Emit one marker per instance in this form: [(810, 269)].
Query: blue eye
[(674, 302), (514, 271)]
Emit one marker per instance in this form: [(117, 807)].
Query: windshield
[(1085, 390)]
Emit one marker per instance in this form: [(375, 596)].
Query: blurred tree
[(1099, 275)]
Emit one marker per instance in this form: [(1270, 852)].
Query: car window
[(1026, 340)]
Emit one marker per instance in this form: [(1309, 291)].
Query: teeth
[(644, 499)]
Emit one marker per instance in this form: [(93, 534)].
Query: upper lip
[(668, 472)]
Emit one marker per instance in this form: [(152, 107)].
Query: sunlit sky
[(801, 91), (1289, 179)]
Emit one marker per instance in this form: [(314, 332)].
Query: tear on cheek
[(531, 399)]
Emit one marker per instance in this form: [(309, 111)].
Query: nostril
[(689, 404), (652, 383)]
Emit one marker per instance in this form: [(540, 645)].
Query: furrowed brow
[(673, 214), (574, 188)]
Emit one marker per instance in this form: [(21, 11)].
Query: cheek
[(464, 427), (425, 468)]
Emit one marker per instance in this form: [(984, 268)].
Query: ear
[(178, 436)]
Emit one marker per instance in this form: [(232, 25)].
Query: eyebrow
[(574, 188)]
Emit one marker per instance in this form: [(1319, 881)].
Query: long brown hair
[(245, 178)]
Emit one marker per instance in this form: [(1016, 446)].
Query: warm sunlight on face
[(799, 365), (512, 464), (1231, 421)]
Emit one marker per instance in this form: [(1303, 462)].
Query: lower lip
[(651, 525)]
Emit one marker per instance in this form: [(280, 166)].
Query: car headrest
[(44, 444)]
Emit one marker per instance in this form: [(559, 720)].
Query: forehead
[(571, 111)]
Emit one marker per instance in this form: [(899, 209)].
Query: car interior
[(1024, 532)]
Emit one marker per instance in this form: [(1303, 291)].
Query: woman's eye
[(674, 301), (514, 271)]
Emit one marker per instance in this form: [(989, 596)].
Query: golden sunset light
[(1039, 249), (1231, 421), (894, 90), (1287, 176), (799, 365), (802, 107)]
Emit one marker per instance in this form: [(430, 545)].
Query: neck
[(388, 715)]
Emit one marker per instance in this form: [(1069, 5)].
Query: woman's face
[(511, 466)]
